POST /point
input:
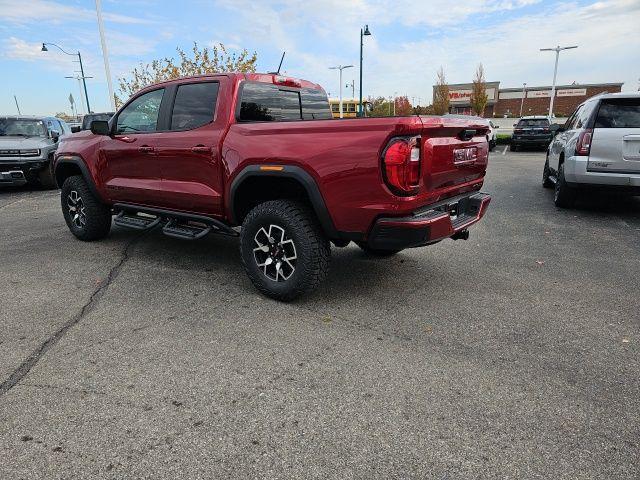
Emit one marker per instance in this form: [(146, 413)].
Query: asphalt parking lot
[(512, 355)]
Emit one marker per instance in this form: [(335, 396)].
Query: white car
[(598, 148)]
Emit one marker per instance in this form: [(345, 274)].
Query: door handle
[(145, 149), (201, 149)]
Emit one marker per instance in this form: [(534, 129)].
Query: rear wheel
[(563, 196), (284, 250), (546, 182), (377, 252), (86, 216)]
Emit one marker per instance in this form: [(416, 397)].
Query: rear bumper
[(429, 225), (531, 141), (577, 175)]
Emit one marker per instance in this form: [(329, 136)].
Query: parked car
[(90, 117), (598, 148), (210, 153), (533, 131), (27, 145)]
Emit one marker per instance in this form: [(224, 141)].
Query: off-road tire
[(546, 182), (47, 178), (288, 221), (97, 216), (563, 196), (376, 252)]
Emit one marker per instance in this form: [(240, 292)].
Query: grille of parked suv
[(20, 153)]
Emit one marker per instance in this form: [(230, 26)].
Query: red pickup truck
[(211, 153)]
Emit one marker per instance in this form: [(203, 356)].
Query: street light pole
[(340, 67), (363, 32), (524, 93), (86, 95), (557, 49)]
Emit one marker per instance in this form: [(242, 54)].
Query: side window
[(583, 115), (141, 115), (570, 124), (262, 102), (194, 105), (315, 105)]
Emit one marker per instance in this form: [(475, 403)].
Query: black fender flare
[(78, 162), (288, 171)]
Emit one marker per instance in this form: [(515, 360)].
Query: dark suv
[(531, 132)]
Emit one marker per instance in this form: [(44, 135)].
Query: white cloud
[(21, 12)]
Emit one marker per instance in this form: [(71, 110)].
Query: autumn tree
[(403, 106), (479, 97), (199, 61), (441, 94), (380, 107)]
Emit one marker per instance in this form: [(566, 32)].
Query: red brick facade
[(562, 106), (536, 102)]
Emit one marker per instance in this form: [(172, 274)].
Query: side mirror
[(55, 135), (75, 129), (515, 124), (100, 127)]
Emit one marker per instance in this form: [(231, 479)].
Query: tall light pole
[(557, 49), (340, 67), (105, 56), (86, 95), (524, 94), (363, 32)]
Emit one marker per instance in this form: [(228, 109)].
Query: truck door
[(188, 151), (615, 146), (127, 162)]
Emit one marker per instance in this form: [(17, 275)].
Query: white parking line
[(505, 149)]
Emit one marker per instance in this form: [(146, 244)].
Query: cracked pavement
[(512, 355)]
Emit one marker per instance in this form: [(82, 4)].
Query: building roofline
[(574, 85)]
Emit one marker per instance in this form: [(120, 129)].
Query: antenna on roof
[(281, 60)]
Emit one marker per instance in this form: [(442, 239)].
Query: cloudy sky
[(411, 40)]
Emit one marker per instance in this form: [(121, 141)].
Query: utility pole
[(524, 94), (105, 56), (86, 95), (340, 68), (557, 49), (353, 88)]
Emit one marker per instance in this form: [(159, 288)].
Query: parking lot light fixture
[(557, 49), (364, 32), (340, 68), (86, 95)]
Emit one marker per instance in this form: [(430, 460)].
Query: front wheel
[(563, 196), (546, 172), (86, 216), (284, 250), (46, 177)]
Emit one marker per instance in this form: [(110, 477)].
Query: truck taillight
[(401, 165), (583, 145)]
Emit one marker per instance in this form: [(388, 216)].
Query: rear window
[(263, 102), (194, 105), (534, 122), (619, 113)]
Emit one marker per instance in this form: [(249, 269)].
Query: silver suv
[(597, 148), (27, 145)]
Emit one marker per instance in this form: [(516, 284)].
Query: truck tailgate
[(454, 151)]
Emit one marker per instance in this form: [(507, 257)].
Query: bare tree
[(441, 94), (479, 97), (201, 60)]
